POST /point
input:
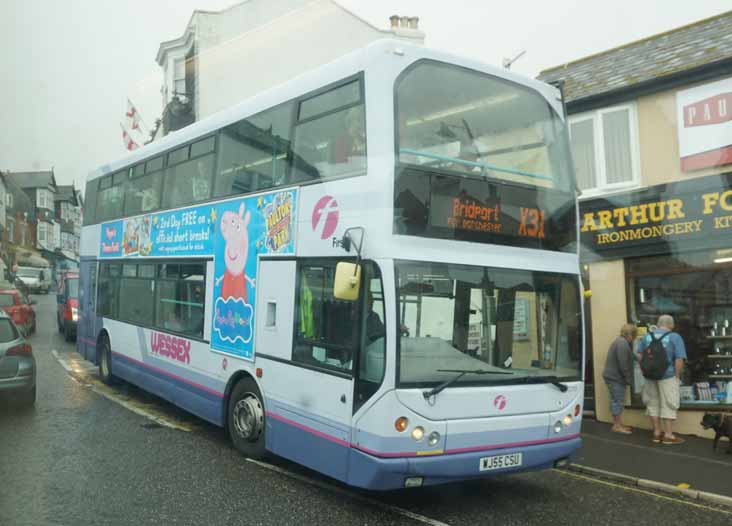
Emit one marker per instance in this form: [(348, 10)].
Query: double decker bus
[(371, 270)]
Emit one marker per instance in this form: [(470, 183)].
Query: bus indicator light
[(401, 424), (258, 372)]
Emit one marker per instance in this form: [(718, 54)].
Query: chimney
[(404, 22), (413, 22), (394, 21)]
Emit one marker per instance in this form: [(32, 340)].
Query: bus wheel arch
[(104, 357), (245, 416)]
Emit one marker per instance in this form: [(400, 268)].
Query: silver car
[(17, 364)]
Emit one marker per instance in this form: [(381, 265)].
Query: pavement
[(692, 465)]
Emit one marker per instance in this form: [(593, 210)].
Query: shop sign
[(705, 125), (688, 215)]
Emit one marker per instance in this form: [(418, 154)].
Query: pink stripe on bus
[(307, 429), (414, 453), (175, 377)]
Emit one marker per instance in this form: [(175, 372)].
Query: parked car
[(19, 308), (17, 363), (37, 279), (67, 315)]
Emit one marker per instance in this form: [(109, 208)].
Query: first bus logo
[(325, 216)]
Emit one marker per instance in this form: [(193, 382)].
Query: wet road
[(80, 457)]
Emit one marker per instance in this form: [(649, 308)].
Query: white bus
[(448, 347)]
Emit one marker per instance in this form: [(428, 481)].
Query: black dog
[(722, 425)]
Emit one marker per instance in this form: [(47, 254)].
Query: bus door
[(88, 324), (305, 345)]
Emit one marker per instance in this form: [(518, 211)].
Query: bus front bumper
[(371, 472)]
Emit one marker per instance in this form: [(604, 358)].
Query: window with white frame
[(42, 232), (44, 199), (605, 148), (9, 200), (11, 230), (179, 76)]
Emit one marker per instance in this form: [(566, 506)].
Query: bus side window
[(188, 179), (254, 153), (331, 133), (110, 196)]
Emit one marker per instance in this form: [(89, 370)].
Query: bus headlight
[(433, 439), (418, 433), (557, 426), (567, 420)]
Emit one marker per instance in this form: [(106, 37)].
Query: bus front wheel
[(245, 419)]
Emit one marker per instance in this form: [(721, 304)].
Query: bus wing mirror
[(347, 282)]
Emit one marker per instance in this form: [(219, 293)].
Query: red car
[(68, 305), (20, 309)]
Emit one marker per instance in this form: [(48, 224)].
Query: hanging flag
[(133, 117), (129, 142)]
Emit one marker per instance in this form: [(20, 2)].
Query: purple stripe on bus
[(308, 429), (171, 375), (87, 341)]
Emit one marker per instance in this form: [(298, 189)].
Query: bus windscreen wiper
[(461, 373), (545, 380)]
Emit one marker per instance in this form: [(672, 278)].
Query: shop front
[(665, 249)]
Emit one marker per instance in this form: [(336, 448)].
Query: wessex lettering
[(171, 347)]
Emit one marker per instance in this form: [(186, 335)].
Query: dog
[(722, 425)]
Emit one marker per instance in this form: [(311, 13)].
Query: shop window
[(605, 148), (695, 288), (324, 326)]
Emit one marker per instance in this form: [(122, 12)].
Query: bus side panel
[(89, 323), (154, 361)]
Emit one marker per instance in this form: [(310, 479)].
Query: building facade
[(19, 234), (224, 57), (69, 213), (651, 132)]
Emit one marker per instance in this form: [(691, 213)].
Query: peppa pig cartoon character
[(234, 232)]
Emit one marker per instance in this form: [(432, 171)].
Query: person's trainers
[(657, 439), (673, 440)]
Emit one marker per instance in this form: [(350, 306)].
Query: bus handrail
[(482, 166)]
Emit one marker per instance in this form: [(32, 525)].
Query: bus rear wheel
[(245, 419), (105, 361)]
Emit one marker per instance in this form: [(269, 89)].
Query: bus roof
[(334, 71)]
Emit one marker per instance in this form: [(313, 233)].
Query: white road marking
[(350, 494), (109, 394), (60, 360)]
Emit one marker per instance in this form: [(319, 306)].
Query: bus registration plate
[(501, 461)]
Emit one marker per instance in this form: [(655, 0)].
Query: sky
[(69, 66)]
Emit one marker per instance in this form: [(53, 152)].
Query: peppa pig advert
[(247, 228), (235, 233)]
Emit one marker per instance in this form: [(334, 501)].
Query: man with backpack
[(661, 356)]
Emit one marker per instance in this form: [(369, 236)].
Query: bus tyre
[(105, 362), (245, 419)]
